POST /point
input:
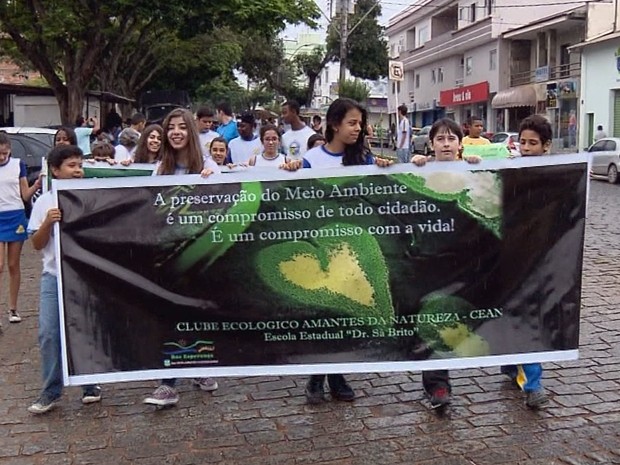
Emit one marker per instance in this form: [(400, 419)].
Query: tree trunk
[(71, 103), (310, 93)]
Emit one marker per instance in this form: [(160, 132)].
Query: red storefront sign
[(464, 95)]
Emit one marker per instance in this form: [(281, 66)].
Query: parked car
[(420, 142), (45, 135), (511, 139), (605, 155)]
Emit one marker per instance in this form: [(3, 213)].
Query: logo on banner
[(180, 353), (396, 71)]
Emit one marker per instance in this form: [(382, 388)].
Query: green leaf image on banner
[(478, 193), (204, 249), (347, 276), (443, 329)]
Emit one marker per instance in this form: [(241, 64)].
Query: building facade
[(599, 102), (459, 61)]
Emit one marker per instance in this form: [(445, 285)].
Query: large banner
[(348, 270)]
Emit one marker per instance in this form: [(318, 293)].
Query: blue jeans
[(49, 339), (404, 155), (527, 376)]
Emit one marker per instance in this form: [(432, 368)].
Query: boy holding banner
[(65, 162), (535, 136)]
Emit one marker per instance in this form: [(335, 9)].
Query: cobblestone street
[(265, 421)]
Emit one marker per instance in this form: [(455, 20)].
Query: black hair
[(137, 118), (540, 125), (403, 109), (219, 139), (79, 121), (293, 105), (268, 127), (225, 108), (316, 118), (69, 132), (313, 140), (4, 139), (204, 112), (474, 118), (447, 125), (60, 153), (354, 154), (599, 127)]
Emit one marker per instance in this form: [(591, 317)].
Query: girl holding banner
[(181, 154)]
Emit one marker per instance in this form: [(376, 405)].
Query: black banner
[(371, 270)]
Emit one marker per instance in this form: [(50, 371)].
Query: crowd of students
[(186, 144)]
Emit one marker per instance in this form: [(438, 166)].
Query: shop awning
[(522, 96)]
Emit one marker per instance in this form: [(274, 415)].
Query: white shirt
[(242, 150), (37, 217), (295, 143), (205, 141), (405, 127), (208, 163), (10, 192), (272, 163), (599, 134), (320, 157), (121, 153)]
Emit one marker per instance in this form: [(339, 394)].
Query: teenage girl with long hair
[(180, 154)]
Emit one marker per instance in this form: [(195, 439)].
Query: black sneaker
[(91, 395), (315, 393), (339, 388), (439, 397)]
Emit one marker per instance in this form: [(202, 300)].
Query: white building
[(458, 57), (600, 82)]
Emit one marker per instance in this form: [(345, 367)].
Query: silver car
[(420, 142), (605, 155)]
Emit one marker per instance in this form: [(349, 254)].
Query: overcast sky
[(389, 8)]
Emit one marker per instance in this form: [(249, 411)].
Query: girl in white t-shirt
[(181, 154), (14, 191), (345, 127), (271, 155)]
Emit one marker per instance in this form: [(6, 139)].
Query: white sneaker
[(162, 396), (206, 384), (42, 406), (14, 316)]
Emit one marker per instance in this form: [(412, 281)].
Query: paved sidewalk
[(264, 420)]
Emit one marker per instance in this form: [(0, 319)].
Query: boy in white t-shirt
[(403, 150), (65, 162), (205, 118), (295, 140), (248, 144)]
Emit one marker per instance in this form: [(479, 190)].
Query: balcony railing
[(449, 43), (554, 73)]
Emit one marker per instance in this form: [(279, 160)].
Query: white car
[(44, 135), (605, 155), (511, 139)]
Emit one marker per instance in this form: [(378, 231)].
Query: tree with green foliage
[(354, 89), (367, 48), (70, 42)]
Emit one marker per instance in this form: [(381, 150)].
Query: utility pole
[(344, 35)]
